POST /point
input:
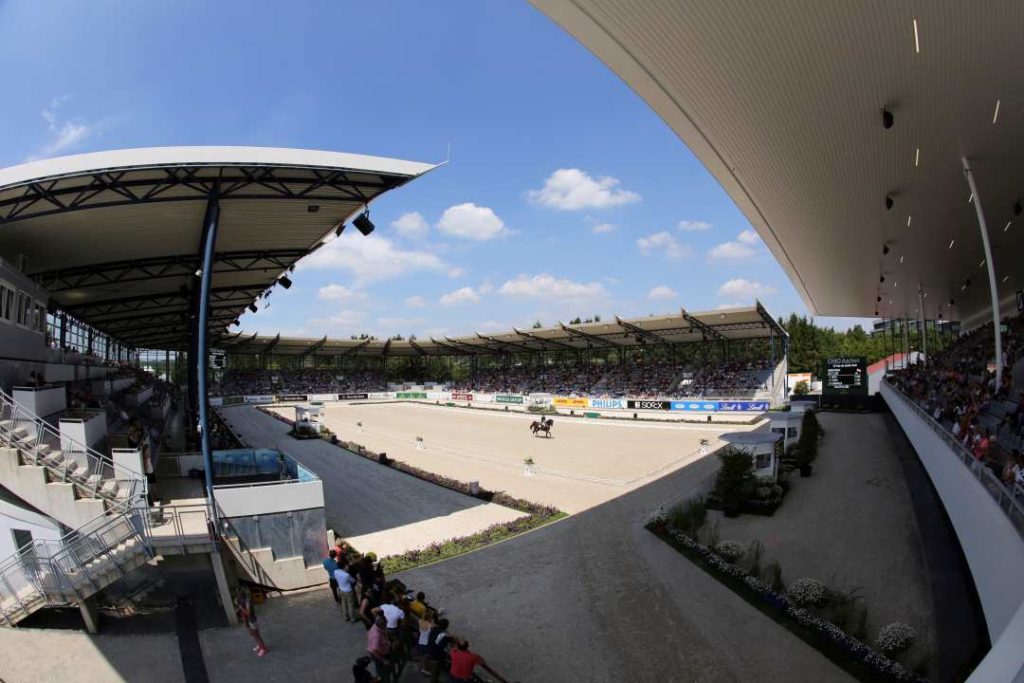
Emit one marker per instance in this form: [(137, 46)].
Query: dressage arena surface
[(585, 462)]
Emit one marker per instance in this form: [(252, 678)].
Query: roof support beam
[(313, 347), (270, 346), (769, 320), (417, 348), (590, 338), (506, 344), (352, 350), (463, 345), (550, 343), (384, 351), (704, 328), (451, 347), (640, 332)]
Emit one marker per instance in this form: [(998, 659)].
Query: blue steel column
[(202, 350)]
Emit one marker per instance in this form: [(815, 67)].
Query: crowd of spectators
[(401, 626), (737, 379), (298, 381), (648, 380), (957, 388)]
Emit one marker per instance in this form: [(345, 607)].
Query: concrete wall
[(42, 402), (14, 516), (265, 499), (55, 499), (992, 545)]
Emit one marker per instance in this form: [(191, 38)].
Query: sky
[(563, 194)]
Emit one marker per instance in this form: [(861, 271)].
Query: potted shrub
[(734, 482)]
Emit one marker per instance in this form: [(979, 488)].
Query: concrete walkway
[(378, 509)]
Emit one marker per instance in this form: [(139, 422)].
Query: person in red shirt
[(464, 662)]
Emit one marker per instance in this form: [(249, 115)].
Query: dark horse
[(542, 425)]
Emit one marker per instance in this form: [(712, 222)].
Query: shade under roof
[(782, 102), (115, 236)]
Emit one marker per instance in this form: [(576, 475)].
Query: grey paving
[(361, 497)]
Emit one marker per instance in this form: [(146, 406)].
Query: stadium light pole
[(993, 290)]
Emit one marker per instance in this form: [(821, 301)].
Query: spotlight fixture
[(285, 282), (940, 316), (313, 208), (340, 229), (183, 290), (889, 202), (235, 322), (291, 268), (363, 223), (252, 307), (885, 250), (887, 119), (952, 302), (878, 299), (1017, 208), (876, 313), (881, 279)]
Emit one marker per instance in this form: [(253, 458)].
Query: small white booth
[(788, 425), (764, 447), (307, 417)]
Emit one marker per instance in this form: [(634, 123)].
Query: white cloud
[(63, 134), (549, 287), (749, 237), (411, 224), (338, 293), (472, 222), (738, 287), (665, 243), (731, 251), (494, 326), (341, 323), (371, 259), (485, 287), (662, 292), (457, 271), (602, 228), (693, 226), (463, 295), (571, 189), (391, 325), (723, 307), (744, 247), (415, 302)]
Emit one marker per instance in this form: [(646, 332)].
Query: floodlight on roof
[(236, 322), (363, 223), (881, 279), (887, 118), (889, 202), (885, 249), (252, 307), (313, 208), (878, 299), (285, 282), (340, 229), (1017, 208)]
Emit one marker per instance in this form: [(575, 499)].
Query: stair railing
[(79, 464)]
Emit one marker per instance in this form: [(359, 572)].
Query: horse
[(542, 425)]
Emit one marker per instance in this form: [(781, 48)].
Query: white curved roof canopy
[(115, 236), (782, 102)]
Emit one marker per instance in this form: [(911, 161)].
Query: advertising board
[(291, 397), (216, 401), (649, 405), (540, 399), (380, 395), (509, 399), (323, 397), (695, 406), (259, 399), (233, 400), (845, 376), (353, 397), (461, 396), (743, 406), (608, 403), (422, 395), (569, 402)]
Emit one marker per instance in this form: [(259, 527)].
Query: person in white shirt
[(345, 591), (393, 614)]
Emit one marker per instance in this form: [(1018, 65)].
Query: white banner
[(381, 395), (323, 397), (483, 398), (439, 396), (217, 401), (258, 399), (608, 403)]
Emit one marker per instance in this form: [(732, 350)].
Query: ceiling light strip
[(917, 41)]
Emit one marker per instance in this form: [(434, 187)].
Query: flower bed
[(536, 514), (855, 657)]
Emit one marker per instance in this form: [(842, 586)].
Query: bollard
[(634, 416)]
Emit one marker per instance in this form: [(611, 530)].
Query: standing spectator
[(331, 567), (246, 612), (464, 662), (419, 606), (345, 584), (379, 647), (437, 645), (359, 672)]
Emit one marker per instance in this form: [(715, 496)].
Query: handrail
[(1004, 497), (99, 469)]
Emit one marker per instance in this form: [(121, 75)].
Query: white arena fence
[(542, 400)]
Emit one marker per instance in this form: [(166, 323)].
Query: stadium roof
[(115, 236), (753, 322), (783, 103)]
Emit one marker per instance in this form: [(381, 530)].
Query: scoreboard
[(845, 376)]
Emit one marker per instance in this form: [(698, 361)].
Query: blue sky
[(565, 195)]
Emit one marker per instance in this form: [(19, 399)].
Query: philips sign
[(608, 403)]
